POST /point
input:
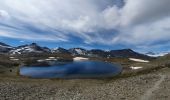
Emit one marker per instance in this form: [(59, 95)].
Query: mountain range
[(35, 48)]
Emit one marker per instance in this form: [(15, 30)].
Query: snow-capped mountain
[(60, 50), (151, 54), (32, 48), (78, 51), (4, 48)]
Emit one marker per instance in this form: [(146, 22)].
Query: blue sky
[(143, 25)]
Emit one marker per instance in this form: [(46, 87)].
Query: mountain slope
[(32, 48), (127, 53), (60, 51), (78, 51), (4, 48), (98, 53)]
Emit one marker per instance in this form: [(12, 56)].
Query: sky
[(142, 25)]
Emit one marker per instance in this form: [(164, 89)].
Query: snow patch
[(11, 57), (135, 68), (51, 57), (14, 59), (48, 59), (138, 60), (80, 59), (40, 60)]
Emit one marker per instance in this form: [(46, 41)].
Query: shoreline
[(126, 71)]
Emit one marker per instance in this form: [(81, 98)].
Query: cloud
[(140, 22), (145, 22), (4, 15), (131, 22), (30, 36), (76, 16), (143, 11)]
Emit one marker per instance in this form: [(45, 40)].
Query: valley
[(136, 81), (34, 55)]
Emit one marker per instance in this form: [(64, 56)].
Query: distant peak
[(128, 49), (33, 44), (124, 50), (3, 44)]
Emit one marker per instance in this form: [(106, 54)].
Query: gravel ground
[(153, 86)]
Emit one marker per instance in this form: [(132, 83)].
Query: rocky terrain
[(151, 86)]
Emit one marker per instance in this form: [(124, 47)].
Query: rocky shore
[(152, 86)]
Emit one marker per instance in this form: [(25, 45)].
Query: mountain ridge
[(35, 48)]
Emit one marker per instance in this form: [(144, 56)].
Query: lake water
[(82, 69)]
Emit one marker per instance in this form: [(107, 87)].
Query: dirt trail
[(149, 93)]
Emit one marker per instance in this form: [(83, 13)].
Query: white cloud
[(142, 11), (30, 36), (4, 15), (141, 22), (111, 17)]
